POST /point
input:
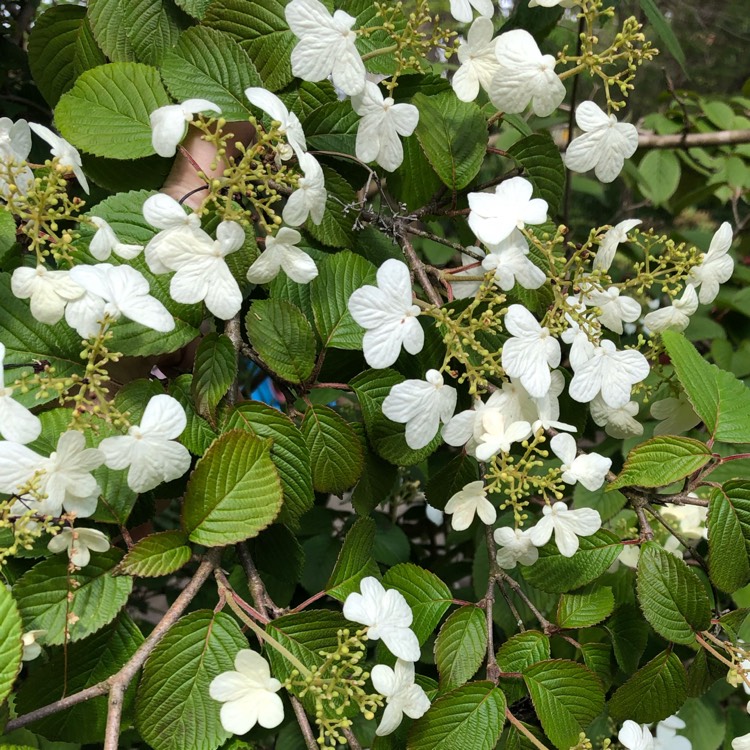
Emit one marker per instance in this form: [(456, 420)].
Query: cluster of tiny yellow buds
[(584, 743)]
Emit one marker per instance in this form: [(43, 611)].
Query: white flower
[(165, 213), (105, 242), (309, 199), (567, 526), (466, 427), (612, 239), (478, 61), (615, 309), (326, 46), (716, 266), (422, 405), (675, 316), (78, 542), (289, 124), (676, 415), (548, 406), (383, 121), (741, 743), (434, 515), (499, 434), (517, 547), (15, 145), (282, 254), (604, 144), (31, 648), (47, 291), (170, 123), (388, 315), (248, 694), (691, 519), (510, 262), (582, 334), (67, 156), (387, 616), (635, 736), (493, 216), (588, 469), (525, 76), (468, 502), (618, 422), (116, 291), (611, 372), (149, 449), (402, 695), (667, 737), (530, 352), (461, 9)]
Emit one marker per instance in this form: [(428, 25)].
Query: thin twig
[(304, 723), (351, 739), (493, 671), (525, 732), (547, 626), (419, 270), (691, 140), (261, 596)]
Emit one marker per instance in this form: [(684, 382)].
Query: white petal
[(163, 417)]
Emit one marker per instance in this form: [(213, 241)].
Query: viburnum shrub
[(319, 440)]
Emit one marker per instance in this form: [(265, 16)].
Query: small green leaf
[(10, 642), (214, 370), (664, 31), (518, 653), (461, 646), (585, 610), (156, 555), (355, 561), (629, 632), (153, 27), (660, 173), (332, 126), (543, 166), (729, 535), (234, 491)]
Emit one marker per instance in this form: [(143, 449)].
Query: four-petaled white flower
[(493, 216), (67, 156), (388, 315), (114, 291), (618, 422), (31, 647), (149, 450), (667, 737), (615, 309), (635, 736), (675, 415), (383, 121), (611, 240), (516, 547), (105, 242), (282, 254), (567, 525), (466, 428), (289, 124), (249, 694), (499, 434), (611, 372), (604, 144), (509, 260), (421, 405), (78, 542), (387, 615), (48, 291), (525, 76), (309, 199), (468, 502), (530, 352), (675, 316), (15, 145), (170, 123), (590, 469), (326, 46), (165, 213), (461, 9), (478, 60), (715, 267), (402, 695)]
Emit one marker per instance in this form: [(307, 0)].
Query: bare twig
[(690, 140), (419, 270), (351, 739), (233, 331), (547, 626), (261, 597), (304, 723), (493, 671), (522, 729)]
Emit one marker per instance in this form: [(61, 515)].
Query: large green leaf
[(584, 610), (719, 399), (214, 370), (107, 20), (157, 555), (629, 633), (729, 535), (10, 642), (70, 606), (332, 127), (543, 166), (173, 709), (468, 718), (567, 697), (107, 111), (234, 491), (153, 28), (415, 181), (461, 646), (671, 595), (355, 561), (453, 135), (660, 173), (518, 653), (211, 65)]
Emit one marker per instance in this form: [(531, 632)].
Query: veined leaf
[(543, 167), (518, 653), (153, 27), (629, 633), (10, 642), (585, 610), (156, 555), (355, 561), (729, 535), (461, 646), (214, 370), (107, 20)]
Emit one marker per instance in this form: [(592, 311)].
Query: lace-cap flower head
[(567, 525), (588, 469), (469, 501), (402, 695), (169, 124), (386, 615)]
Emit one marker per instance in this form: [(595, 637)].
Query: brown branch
[(233, 331), (351, 739), (419, 270), (261, 596), (493, 671), (691, 140), (304, 723), (547, 626)]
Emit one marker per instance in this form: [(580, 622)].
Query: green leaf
[(338, 277), (468, 718), (585, 610), (729, 535), (262, 31), (661, 461), (156, 555), (375, 485), (198, 434), (335, 450), (173, 709), (208, 64), (461, 646), (96, 596), (598, 658), (671, 595), (214, 370), (567, 697), (355, 561), (557, 574), (664, 31), (107, 111), (234, 491), (289, 454), (428, 597), (10, 642), (629, 633), (83, 664), (280, 333), (195, 8), (660, 173), (719, 399), (153, 27), (453, 135), (332, 126), (415, 181), (306, 97), (518, 653), (450, 479), (653, 693), (543, 167), (107, 20)]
